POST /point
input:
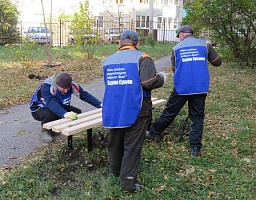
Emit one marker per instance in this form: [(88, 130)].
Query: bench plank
[(158, 102), (50, 125), (82, 127), (60, 127)]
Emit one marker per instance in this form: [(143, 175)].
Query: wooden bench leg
[(89, 139), (70, 145)]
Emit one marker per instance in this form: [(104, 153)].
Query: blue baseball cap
[(185, 29), (129, 35)]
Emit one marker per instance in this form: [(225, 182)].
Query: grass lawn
[(226, 170)]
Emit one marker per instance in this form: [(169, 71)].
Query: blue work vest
[(191, 74), (123, 95)]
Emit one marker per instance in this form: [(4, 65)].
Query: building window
[(98, 21), (169, 23), (119, 2), (161, 22), (121, 19), (142, 21), (137, 21), (175, 23), (147, 22), (143, 1), (177, 11), (176, 2)]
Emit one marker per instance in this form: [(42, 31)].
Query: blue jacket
[(191, 75), (47, 96)]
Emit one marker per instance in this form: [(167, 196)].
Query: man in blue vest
[(129, 77), (191, 84), (51, 101)]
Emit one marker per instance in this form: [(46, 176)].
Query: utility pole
[(151, 14)]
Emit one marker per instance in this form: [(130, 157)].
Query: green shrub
[(150, 40)]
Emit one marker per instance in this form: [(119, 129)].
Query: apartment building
[(164, 16)]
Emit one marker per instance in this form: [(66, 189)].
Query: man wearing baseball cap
[(51, 101), (129, 76), (184, 29), (191, 84)]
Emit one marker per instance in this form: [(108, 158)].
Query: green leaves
[(231, 22)]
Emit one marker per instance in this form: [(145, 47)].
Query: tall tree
[(82, 28), (47, 46), (8, 22), (232, 21)]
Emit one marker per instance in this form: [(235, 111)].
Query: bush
[(150, 40)]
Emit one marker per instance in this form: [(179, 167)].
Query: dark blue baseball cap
[(185, 29), (129, 35)]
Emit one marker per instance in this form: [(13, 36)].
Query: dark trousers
[(45, 115), (196, 107), (124, 151)]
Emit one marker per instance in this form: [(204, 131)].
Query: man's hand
[(165, 75), (70, 115)]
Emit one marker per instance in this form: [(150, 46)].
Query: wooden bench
[(85, 122)]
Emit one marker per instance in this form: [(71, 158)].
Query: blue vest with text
[(191, 75), (123, 92)]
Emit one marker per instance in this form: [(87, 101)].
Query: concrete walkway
[(20, 132)]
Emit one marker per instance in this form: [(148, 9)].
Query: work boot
[(129, 187), (196, 151), (45, 136), (154, 138)]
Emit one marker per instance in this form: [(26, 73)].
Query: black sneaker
[(196, 151), (135, 188), (153, 138)]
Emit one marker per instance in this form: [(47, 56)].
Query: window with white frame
[(137, 21), (98, 21), (169, 23), (142, 21), (119, 1), (121, 19), (176, 2), (175, 23), (177, 11), (161, 22)]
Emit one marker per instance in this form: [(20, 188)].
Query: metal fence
[(61, 32)]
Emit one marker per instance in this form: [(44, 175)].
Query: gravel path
[(19, 131)]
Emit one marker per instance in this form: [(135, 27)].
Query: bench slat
[(60, 127), (159, 102), (50, 125), (82, 127)]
